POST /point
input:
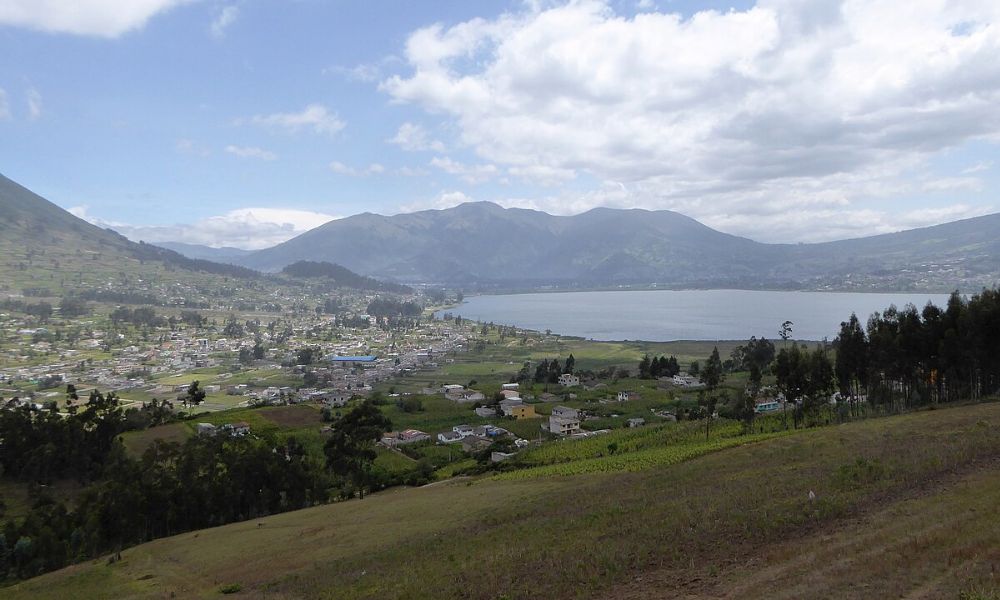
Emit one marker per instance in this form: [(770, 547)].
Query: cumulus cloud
[(745, 117), (247, 228), (226, 17), (413, 137), (251, 152), (315, 117), (469, 173), (101, 18), (342, 169)]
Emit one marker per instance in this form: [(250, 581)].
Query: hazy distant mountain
[(225, 254), (482, 243)]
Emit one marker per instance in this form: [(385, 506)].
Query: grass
[(300, 420), (734, 523)]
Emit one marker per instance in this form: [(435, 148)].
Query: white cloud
[(468, 173), (34, 100), (983, 165), (247, 228), (102, 18), (413, 137), (4, 106), (954, 184), (410, 172), (782, 118), (251, 152), (226, 17), (365, 72), (342, 169), (315, 117), (440, 202)]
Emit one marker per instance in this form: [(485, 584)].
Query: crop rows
[(636, 461), (628, 441)]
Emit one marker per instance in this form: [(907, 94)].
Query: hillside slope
[(482, 243), (903, 508), (45, 248)]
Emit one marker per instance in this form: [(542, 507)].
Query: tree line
[(904, 357), (172, 488)]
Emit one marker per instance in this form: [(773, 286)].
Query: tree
[(71, 306), (350, 451), (570, 365), (195, 395), (712, 376), (786, 331), (304, 356), (644, 365)]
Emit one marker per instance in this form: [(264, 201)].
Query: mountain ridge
[(483, 244)]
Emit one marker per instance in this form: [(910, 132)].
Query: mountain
[(44, 248), (483, 244), (339, 276), (225, 254)]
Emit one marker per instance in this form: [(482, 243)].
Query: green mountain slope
[(45, 249)]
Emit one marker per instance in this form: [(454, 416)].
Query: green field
[(904, 507)]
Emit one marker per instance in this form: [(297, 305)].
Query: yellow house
[(522, 411)]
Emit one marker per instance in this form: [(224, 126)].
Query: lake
[(667, 315)]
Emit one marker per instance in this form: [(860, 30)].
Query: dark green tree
[(350, 451)]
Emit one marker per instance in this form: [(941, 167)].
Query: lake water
[(666, 315)]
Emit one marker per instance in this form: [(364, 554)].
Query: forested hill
[(342, 277), (483, 244), (42, 245)]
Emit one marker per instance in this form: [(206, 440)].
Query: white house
[(449, 437), (569, 380)]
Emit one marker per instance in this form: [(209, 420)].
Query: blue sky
[(243, 123)]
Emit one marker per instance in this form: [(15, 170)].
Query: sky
[(245, 122)]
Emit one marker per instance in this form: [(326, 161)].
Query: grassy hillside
[(46, 250), (903, 506)]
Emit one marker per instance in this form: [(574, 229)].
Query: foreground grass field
[(902, 507)]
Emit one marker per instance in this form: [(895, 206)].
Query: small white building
[(569, 380)]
